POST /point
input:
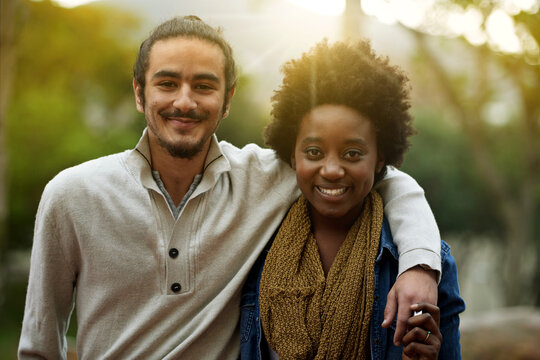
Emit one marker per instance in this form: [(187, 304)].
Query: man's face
[(184, 98)]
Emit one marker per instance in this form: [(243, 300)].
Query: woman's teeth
[(332, 192)]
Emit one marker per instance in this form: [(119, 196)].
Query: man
[(153, 244)]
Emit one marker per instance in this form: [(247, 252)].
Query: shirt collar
[(139, 162), (215, 164)]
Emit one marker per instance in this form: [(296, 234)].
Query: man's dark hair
[(190, 27), (349, 74)]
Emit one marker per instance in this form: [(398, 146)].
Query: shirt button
[(377, 341), (175, 287), (173, 253)]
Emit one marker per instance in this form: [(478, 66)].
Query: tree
[(516, 197), (515, 200)]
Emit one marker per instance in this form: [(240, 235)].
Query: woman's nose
[(332, 169)]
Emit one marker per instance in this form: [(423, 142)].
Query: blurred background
[(474, 67)]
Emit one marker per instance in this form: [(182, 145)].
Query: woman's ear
[(380, 164), (293, 160)]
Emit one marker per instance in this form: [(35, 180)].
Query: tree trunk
[(353, 18), (517, 211)]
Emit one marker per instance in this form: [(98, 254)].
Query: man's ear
[(138, 99), (228, 106)]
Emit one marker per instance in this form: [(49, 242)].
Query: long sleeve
[(49, 299), (412, 223)]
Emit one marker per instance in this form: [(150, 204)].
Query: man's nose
[(184, 100)]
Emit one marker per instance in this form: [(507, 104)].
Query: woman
[(340, 118)]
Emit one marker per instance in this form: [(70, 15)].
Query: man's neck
[(177, 174)]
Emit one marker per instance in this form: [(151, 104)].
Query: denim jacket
[(253, 342)]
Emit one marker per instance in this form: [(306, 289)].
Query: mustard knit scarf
[(308, 316)]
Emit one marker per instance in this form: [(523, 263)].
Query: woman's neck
[(329, 234)]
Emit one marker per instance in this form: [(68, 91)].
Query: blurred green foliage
[(246, 118), (442, 164), (72, 100)]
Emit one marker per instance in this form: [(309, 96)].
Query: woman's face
[(335, 159)]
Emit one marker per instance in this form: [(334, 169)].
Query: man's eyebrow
[(206, 76), (176, 75), (166, 73)]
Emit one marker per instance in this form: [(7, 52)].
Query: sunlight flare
[(72, 3), (322, 7), (500, 28)]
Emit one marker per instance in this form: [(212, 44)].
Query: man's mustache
[(192, 114)]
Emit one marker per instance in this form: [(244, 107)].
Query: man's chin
[(183, 151)]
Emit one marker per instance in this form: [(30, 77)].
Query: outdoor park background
[(66, 97)]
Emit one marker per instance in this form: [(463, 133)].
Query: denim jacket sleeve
[(451, 305), (449, 302), (252, 342)]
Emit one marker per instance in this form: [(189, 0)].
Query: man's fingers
[(403, 315), (390, 308)]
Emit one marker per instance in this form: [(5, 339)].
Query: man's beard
[(183, 151)]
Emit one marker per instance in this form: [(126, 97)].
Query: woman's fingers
[(418, 351), (423, 338), (428, 308)]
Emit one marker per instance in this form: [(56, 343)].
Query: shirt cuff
[(427, 259)]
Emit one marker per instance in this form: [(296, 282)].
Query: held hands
[(413, 286), (423, 338)]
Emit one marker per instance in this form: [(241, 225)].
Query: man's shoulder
[(87, 172)]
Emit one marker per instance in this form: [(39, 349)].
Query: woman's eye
[(313, 153), (353, 154)]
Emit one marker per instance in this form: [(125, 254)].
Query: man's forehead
[(193, 42), (182, 49)]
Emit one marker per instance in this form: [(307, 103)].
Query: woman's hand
[(423, 338)]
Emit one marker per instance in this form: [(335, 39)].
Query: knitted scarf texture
[(306, 315)]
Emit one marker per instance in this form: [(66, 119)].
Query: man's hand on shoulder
[(413, 286)]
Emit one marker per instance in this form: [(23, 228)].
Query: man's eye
[(204, 87), (167, 84)]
